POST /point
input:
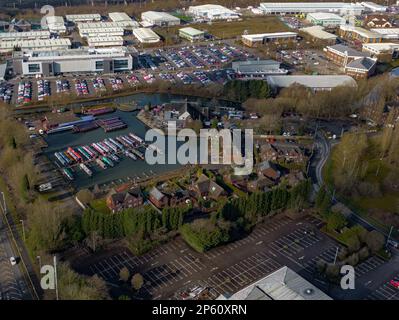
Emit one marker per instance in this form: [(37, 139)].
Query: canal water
[(127, 169)]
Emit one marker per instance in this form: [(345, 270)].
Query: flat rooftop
[(318, 32), (192, 31)]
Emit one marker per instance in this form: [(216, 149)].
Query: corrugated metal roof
[(158, 15), (319, 33), (312, 81)]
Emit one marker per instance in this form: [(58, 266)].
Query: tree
[(336, 221), (375, 241), (137, 281), (124, 274), (85, 196)]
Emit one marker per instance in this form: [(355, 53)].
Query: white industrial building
[(257, 69), (56, 24), (212, 12), (308, 7), (191, 34), (123, 20), (90, 17), (325, 19), (146, 35), (27, 35), (314, 82), (387, 33), (318, 32), (377, 49), (111, 41), (162, 19), (98, 29), (262, 38), (373, 7), (47, 63), (38, 44)]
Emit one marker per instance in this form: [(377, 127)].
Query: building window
[(121, 64), (34, 67), (100, 65)]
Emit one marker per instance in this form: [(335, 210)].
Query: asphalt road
[(12, 282)]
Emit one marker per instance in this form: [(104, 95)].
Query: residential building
[(378, 49), (282, 153), (261, 183), (325, 19), (257, 68), (161, 19), (252, 40), (56, 62), (356, 33), (206, 188), (118, 201), (210, 12), (282, 284), (318, 33), (38, 44), (90, 17), (282, 8), (158, 198), (146, 35), (313, 82), (373, 7), (377, 21), (268, 170), (191, 34), (56, 24)]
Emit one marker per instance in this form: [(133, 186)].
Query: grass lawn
[(232, 29), (100, 206)]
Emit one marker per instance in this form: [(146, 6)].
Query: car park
[(62, 86), (81, 87), (116, 83), (6, 90), (43, 89), (99, 84), (24, 92)]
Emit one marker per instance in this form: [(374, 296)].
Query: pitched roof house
[(118, 201), (207, 188), (269, 170), (158, 198)]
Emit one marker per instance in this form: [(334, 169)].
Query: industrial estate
[(316, 84)]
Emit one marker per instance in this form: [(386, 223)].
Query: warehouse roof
[(361, 31), (312, 81), (88, 16), (24, 35), (39, 43), (324, 16), (158, 15), (3, 69), (348, 51), (119, 16), (254, 65), (319, 33), (380, 47), (191, 31), (146, 34), (362, 63), (260, 36), (385, 31), (104, 39), (283, 284)]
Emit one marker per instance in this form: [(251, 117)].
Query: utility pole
[(4, 203), (56, 277)]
